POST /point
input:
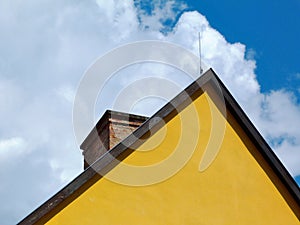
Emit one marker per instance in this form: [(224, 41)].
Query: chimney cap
[(112, 116)]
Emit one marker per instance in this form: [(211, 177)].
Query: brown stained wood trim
[(106, 162), (58, 197)]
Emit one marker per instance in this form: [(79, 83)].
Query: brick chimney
[(111, 129)]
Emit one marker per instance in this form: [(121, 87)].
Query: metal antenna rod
[(200, 63)]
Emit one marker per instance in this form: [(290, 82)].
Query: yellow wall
[(234, 189)]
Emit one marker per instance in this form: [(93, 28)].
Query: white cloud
[(279, 122), (161, 12), (251, 54), (67, 93), (12, 147), (289, 154), (281, 113), (46, 47)]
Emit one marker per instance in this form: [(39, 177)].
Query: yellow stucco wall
[(234, 189)]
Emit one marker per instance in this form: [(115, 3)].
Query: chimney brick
[(110, 130)]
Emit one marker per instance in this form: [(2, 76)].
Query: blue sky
[(46, 46), (270, 28), (270, 31)]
